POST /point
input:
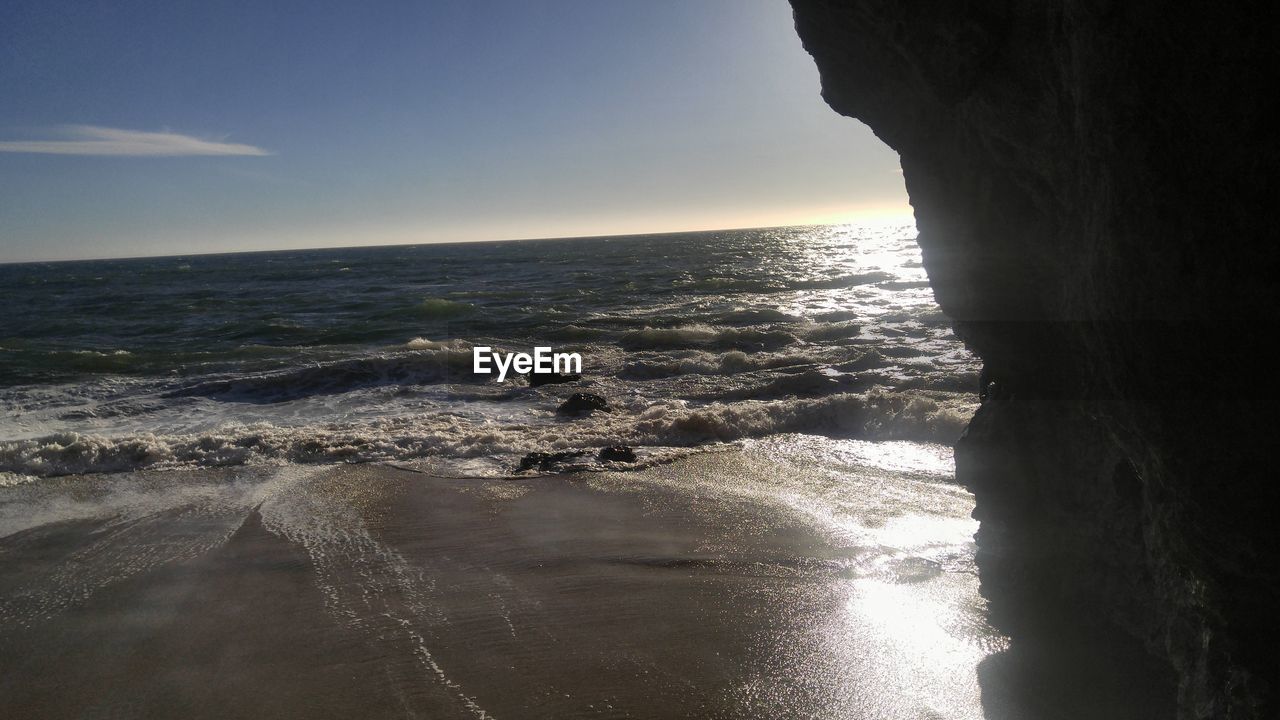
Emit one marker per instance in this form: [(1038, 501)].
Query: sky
[(166, 127)]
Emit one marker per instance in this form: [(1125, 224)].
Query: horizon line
[(906, 220)]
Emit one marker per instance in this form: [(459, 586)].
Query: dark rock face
[(580, 404), (1091, 182)]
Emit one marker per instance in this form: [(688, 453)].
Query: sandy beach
[(792, 577), (731, 584)]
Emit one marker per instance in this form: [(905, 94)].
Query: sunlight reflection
[(924, 659), (907, 629)]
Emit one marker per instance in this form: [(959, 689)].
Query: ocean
[(364, 354), (271, 484)]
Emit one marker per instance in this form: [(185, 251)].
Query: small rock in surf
[(547, 461), (580, 404), (617, 453)]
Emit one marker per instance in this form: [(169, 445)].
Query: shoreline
[(794, 577), (703, 588)]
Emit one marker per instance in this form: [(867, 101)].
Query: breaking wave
[(878, 414), (699, 335), (705, 363)]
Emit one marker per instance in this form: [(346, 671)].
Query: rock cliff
[(1091, 183)]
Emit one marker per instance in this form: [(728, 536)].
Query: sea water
[(228, 422), (365, 354)]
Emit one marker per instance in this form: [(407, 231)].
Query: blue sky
[(169, 127)]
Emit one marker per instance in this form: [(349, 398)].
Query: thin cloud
[(94, 140)]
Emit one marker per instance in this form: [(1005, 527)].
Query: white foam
[(878, 414)]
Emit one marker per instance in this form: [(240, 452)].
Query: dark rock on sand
[(617, 453), (548, 461), (580, 404), (1093, 185)]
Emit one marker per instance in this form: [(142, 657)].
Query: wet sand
[(800, 580)]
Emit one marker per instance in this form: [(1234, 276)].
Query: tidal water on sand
[(270, 485)]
